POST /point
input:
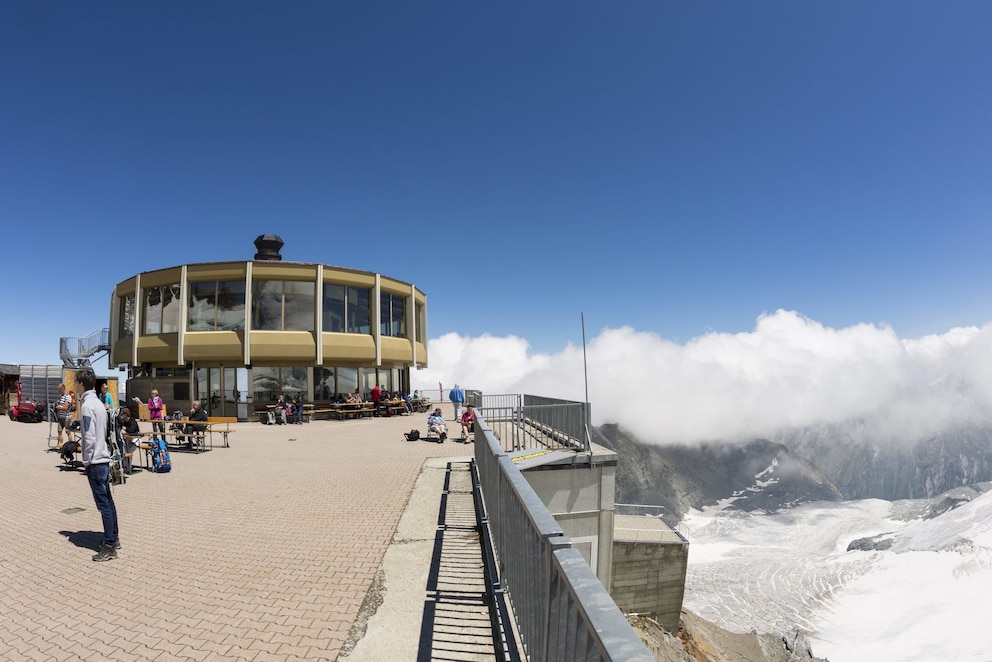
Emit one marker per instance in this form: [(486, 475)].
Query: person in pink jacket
[(155, 407)]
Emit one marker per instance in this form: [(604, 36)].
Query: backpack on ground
[(412, 435), (161, 462)]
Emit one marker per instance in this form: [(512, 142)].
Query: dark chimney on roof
[(268, 246)]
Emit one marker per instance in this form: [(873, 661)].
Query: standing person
[(376, 397), (457, 397), (298, 410), (63, 413), (155, 413), (96, 460)]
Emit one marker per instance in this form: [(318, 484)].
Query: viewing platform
[(321, 541)]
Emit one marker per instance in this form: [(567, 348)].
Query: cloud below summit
[(787, 371)]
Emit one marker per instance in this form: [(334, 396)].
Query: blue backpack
[(161, 462)]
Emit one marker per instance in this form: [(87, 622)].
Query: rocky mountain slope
[(830, 462), (758, 475), (863, 463)]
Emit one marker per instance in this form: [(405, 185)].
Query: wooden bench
[(396, 409), (326, 412), (345, 412), (201, 437), (221, 424), (126, 458)]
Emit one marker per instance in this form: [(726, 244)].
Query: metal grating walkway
[(456, 624)]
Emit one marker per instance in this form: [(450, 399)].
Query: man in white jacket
[(96, 460)]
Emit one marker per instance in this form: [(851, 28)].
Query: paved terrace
[(262, 551)]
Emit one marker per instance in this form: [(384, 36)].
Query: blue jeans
[(99, 477)]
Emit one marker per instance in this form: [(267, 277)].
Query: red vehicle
[(26, 411)]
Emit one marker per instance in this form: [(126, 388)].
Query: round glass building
[(236, 335)]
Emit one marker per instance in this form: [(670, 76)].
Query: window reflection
[(269, 383), (282, 305), (217, 305), (358, 310), (392, 318), (161, 310), (333, 308), (126, 328)]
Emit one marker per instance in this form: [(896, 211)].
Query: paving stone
[(261, 551)]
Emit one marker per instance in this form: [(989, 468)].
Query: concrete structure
[(237, 334), (649, 565), (266, 550), (579, 490)]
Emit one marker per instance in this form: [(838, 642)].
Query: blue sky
[(678, 168)]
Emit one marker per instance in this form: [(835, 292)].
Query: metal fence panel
[(561, 609)]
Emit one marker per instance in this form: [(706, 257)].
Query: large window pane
[(392, 320), (324, 384), (265, 384), (398, 317), (333, 308), (358, 310), (384, 311), (299, 306), (152, 313), (421, 322), (170, 309), (369, 380), (294, 382), (230, 305), (266, 305), (126, 328), (161, 311), (202, 306), (347, 380)]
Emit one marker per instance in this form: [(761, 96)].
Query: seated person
[(177, 415), (282, 415), (407, 403), (468, 421), (436, 425), (196, 414), (354, 398), (128, 435)]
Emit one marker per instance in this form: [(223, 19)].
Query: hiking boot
[(106, 553), (117, 544), (444, 435)]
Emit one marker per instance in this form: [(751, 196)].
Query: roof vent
[(268, 246)]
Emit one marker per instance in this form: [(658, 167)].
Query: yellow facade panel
[(217, 271), (283, 348), (121, 353), (169, 276), (348, 348), (395, 350), (221, 346), (126, 287), (282, 271), (162, 348), (349, 278)]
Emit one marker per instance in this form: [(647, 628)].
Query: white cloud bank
[(788, 371)]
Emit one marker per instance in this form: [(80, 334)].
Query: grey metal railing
[(528, 421), (560, 607), (78, 351)]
